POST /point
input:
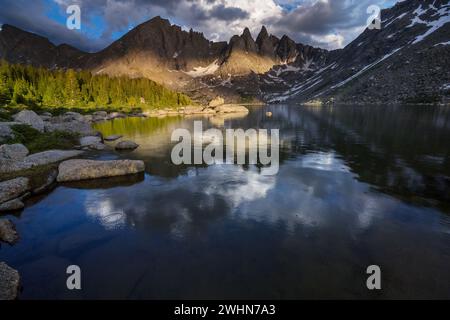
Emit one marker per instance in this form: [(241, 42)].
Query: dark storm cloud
[(228, 13), (322, 17), (306, 21), (29, 16)]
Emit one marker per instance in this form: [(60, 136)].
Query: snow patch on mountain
[(360, 72), (204, 71), (444, 18)]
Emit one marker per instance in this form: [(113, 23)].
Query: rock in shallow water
[(81, 169), (48, 184), (126, 145), (90, 140), (9, 282), (11, 205), (12, 189), (8, 232), (231, 108), (113, 137)]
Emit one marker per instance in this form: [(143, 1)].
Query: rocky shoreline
[(58, 166)]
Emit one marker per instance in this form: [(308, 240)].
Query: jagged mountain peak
[(263, 35)]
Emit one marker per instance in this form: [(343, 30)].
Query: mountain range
[(405, 61)]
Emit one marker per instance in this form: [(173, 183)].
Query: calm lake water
[(357, 186)]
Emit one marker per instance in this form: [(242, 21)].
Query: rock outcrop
[(80, 169), (37, 159), (401, 62), (16, 152), (14, 188), (8, 232), (6, 131), (9, 282), (30, 118), (216, 102), (11, 205)]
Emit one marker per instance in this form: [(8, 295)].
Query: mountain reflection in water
[(356, 186)]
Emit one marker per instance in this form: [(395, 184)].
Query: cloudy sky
[(325, 23)]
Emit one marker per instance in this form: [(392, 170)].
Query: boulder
[(114, 115), (209, 110), (8, 232), (113, 137), (45, 118), (15, 151), (80, 127), (12, 189), (6, 131), (9, 282), (8, 165), (50, 156), (231, 108), (218, 101), (126, 145), (102, 114), (31, 118), (193, 109), (15, 204), (97, 146), (81, 169), (90, 140), (74, 116)]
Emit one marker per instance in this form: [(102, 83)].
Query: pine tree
[(5, 94), (20, 91), (72, 93)]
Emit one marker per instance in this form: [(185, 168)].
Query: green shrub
[(37, 141)]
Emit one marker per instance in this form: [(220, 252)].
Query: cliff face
[(158, 50), (18, 46), (405, 61)]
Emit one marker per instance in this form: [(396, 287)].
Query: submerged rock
[(15, 151), (48, 184), (11, 205), (126, 145), (30, 118), (8, 232), (14, 188), (9, 282), (113, 137), (81, 169)]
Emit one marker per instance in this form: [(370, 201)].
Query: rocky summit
[(403, 61)]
